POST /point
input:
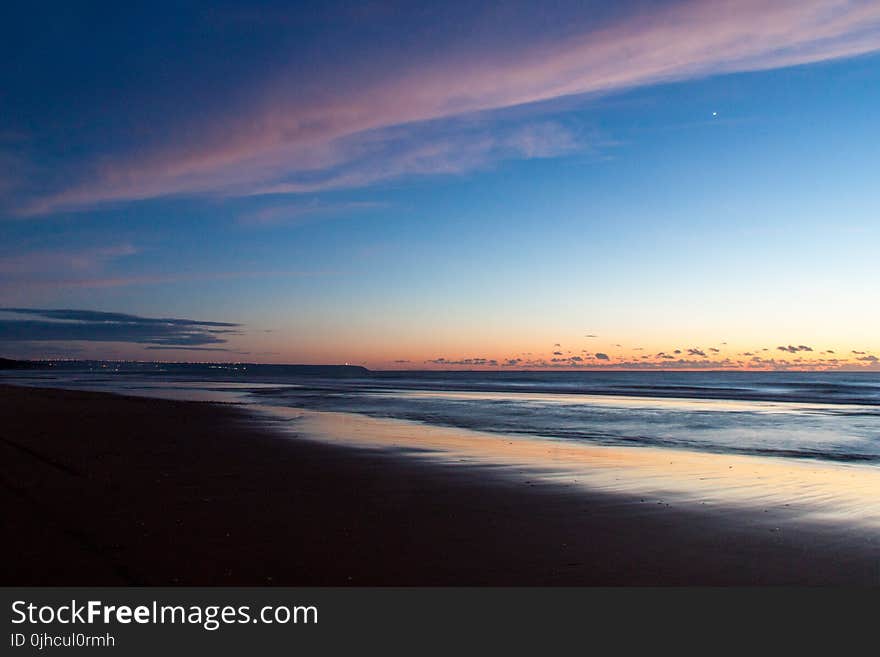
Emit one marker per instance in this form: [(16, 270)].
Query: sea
[(818, 416)]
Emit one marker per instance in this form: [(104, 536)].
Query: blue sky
[(391, 183)]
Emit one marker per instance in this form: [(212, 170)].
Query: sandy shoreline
[(104, 489)]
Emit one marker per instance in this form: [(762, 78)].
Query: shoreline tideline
[(104, 489)]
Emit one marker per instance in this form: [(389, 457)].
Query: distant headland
[(254, 368), (9, 364)]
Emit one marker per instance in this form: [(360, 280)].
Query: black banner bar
[(151, 621)]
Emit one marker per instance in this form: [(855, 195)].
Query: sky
[(468, 185)]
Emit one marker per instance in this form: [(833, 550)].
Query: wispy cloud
[(31, 279), (26, 275), (447, 148), (304, 212), (304, 135), (56, 261)]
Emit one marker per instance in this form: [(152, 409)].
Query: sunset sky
[(468, 185)]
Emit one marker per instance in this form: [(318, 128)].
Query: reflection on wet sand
[(783, 488)]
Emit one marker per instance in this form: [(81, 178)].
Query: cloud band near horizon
[(58, 325)]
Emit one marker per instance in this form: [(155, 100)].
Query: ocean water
[(832, 417)]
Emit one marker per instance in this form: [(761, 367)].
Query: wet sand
[(105, 489)]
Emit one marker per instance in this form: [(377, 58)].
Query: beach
[(103, 489)]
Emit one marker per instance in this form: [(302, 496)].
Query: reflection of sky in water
[(785, 488), (834, 432)]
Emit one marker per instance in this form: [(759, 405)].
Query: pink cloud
[(317, 133), (392, 153)]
